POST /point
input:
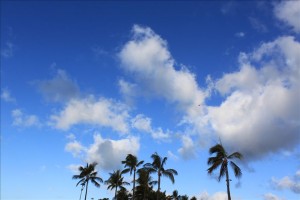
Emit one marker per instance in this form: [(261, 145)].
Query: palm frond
[(236, 169), (212, 160), (82, 181), (217, 149), (95, 183), (223, 169), (124, 171), (214, 166), (237, 155), (170, 175)]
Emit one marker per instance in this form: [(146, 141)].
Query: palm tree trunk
[(80, 193), (227, 183), (133, 190), (158, 188), (116, 192), (86, 189)]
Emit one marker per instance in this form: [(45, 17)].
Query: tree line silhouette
[(143, 182)]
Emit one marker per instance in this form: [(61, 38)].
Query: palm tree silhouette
[(221, 159), (115, 181), (175, 195), (131, 164), (157, 166), (145, 184), (87, 174)]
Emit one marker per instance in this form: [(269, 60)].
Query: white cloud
[(74, 168), (102, 112), (289, 183), (142, 123), (215, 196), (188, 149), (147, 58), (22, 120), (109, 153), (249, 118), (270, 196), (289, 12), (6, 96), (74, 147), (58, 89)]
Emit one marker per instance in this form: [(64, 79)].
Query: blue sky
[(88, 81)]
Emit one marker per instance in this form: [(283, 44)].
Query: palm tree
[(157, 166), (87, 174), (193, 198), (221, 159), (145, 184), (131, 164), (175, 195), (116, 181)]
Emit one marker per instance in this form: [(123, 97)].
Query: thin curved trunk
[(133, 190), (116, 192), (87, 184), (227, 183)]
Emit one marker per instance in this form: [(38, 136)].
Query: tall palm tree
[(221, 159), (131, 164), (157, 166), (87, 174), (116, 181)]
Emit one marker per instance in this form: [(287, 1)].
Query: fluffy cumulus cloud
[(143, 124), (289, 12), (147, 58), (260, 112), (102, 112), (109, 153), (58, 89), (23, 120), (287, 182), (248, 118)]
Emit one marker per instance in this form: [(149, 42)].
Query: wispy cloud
[(258, 25), (60, 88), (240, 34), (8, 49), (270, 196), (287, 182), (23, 120), (6, 96), (143, 123)]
